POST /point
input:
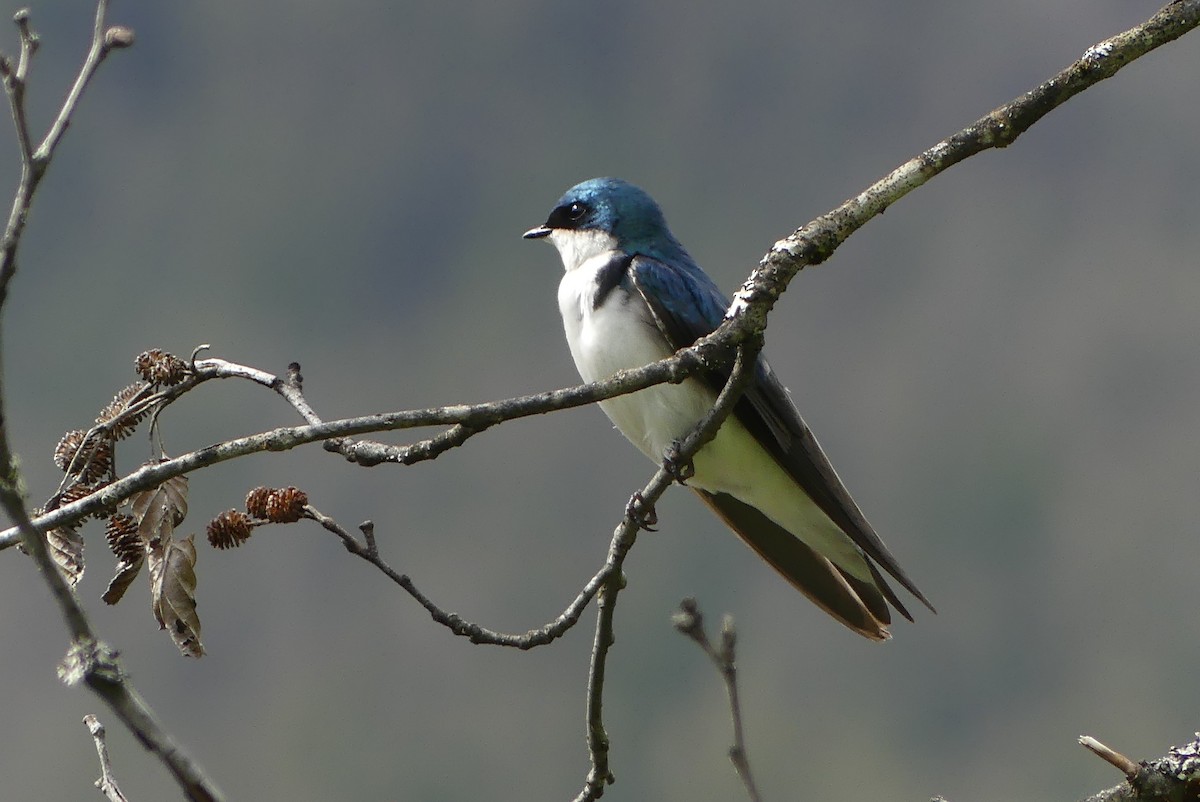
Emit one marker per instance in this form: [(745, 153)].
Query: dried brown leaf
[(66, 548), (123, 578), (173, 592), (162, 508)]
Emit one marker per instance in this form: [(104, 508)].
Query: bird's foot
[(641, 512), (678, 468)]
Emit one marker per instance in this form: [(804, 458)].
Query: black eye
[(569, 215)]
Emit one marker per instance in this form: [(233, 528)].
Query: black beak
[(537, 233)]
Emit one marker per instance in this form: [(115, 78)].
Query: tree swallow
[(631, 295)]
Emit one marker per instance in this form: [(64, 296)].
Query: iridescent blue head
[(608, 214)]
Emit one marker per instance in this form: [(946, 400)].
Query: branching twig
[(368, 550), (641, 507), (473, 417), (34, 162), (107, 782), (88, 660), (690, 622)]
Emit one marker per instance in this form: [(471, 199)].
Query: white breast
[(622, 334)]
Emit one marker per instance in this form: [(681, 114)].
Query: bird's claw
[(676, 467), (642, 512)]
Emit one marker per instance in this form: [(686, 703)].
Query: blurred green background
[(1003, 368)]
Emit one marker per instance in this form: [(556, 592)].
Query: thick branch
[(474, 417)]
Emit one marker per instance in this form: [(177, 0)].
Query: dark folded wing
[(687, 305)]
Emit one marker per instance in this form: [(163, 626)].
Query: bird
[(631, 295)]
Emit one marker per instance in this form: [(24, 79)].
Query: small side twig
[(368, 550), (690, 621), (1128, 767), (107, 782), (1175, 776)]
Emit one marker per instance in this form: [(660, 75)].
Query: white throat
[(577, 247)]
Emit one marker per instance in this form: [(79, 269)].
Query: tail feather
[(859, 605)]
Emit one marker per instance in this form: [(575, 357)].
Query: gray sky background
[(1003, 369)]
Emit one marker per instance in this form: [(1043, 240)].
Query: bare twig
[(35, 161), (95, 663), (690, 621), (107, 782), (368, 550), (1111, 756), (640, 508), (88, 659)]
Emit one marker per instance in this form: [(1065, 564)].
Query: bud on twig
[(117, 37)]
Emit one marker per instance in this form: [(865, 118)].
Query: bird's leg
[(638, 510), (679, 469)]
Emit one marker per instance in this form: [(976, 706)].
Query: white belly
[(620, 335)]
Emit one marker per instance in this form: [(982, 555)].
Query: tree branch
[(816, 241), (88, 660), (747, 315), (472, 417)]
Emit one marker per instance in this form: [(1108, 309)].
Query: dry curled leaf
[(173, 592), (122, 579), (66, 548), (163, 507)]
